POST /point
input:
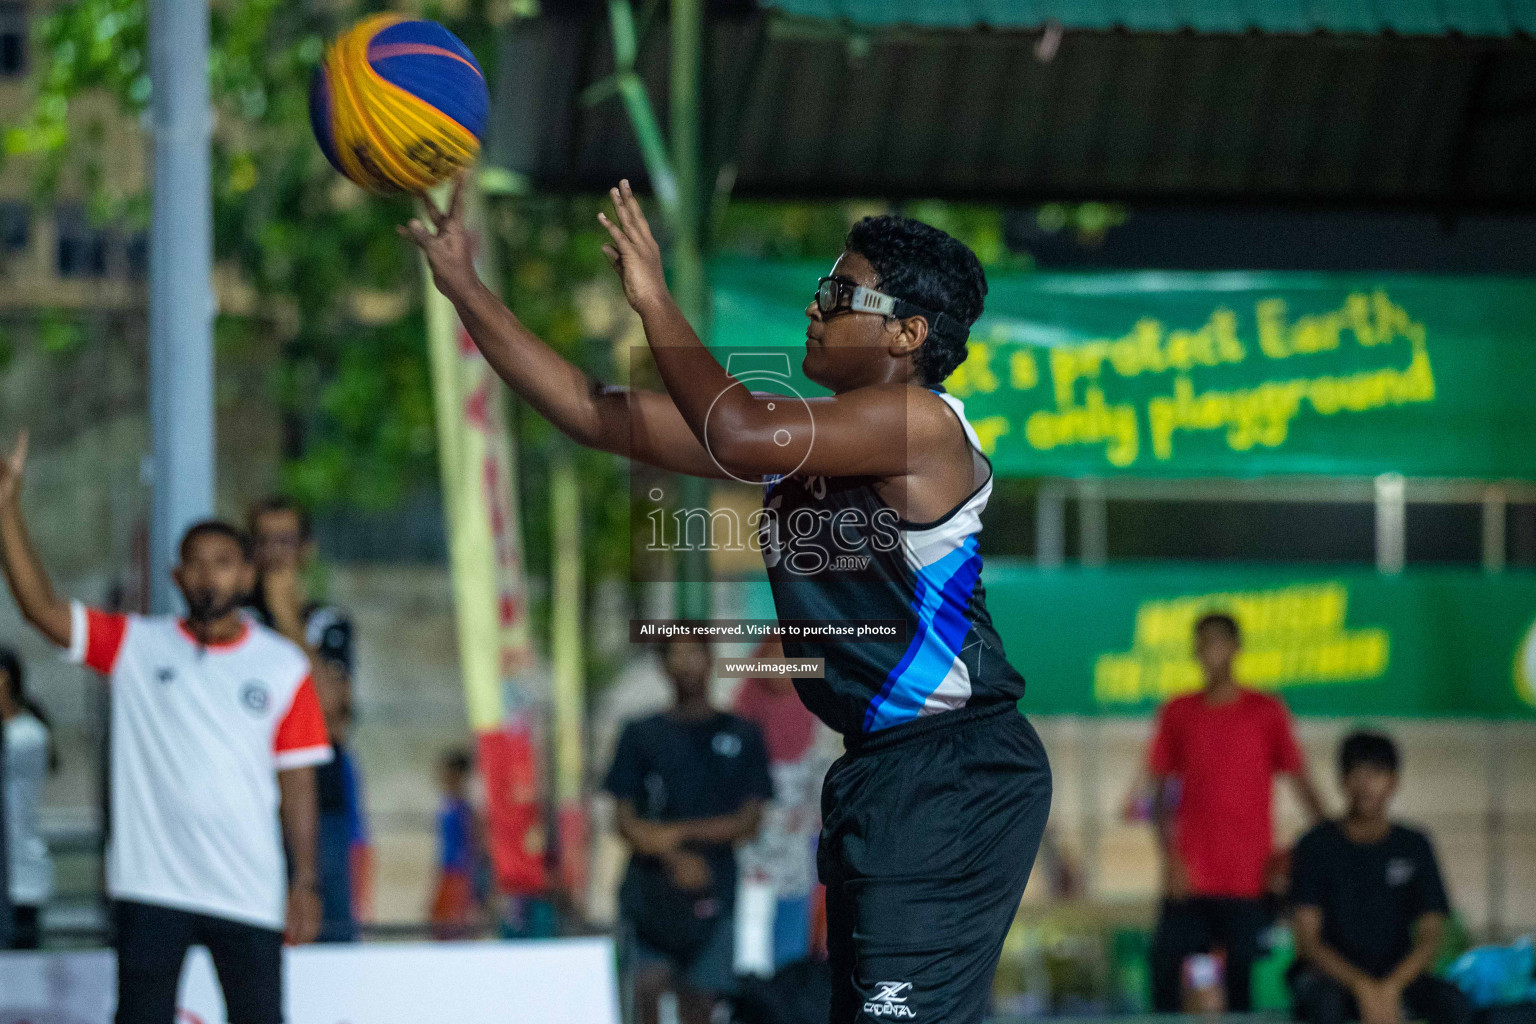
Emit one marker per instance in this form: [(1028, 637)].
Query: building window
[(15, 227), (83, 247), (13, 39), (136, 255)]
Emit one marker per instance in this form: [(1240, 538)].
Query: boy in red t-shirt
[(1222, 746)]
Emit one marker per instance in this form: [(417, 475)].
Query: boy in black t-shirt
[(690, 783), (1369, 906)]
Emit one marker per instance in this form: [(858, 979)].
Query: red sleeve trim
[(104, 633), (302, 727)]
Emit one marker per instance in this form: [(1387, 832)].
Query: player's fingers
[(634, 217), (613, 256), (430, 207), (621, 241), (640, 227), (622, 211), (456, 202), (19, 456), (418, 233)]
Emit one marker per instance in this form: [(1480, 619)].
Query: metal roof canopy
[(1406, 17), (810, 108)]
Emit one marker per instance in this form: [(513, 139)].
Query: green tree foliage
[(312, 249), (354, 390)]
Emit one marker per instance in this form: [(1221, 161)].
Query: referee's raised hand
[(11, 468)]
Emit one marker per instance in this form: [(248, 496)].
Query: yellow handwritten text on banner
[(1074, 394), (1292, 636)]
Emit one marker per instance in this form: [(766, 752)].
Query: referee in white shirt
[(216, 732)]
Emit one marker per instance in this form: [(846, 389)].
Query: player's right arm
[(642, 425), (23, 570)]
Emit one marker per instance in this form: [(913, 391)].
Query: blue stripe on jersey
[(943, 598)]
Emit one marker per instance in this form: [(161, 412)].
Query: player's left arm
[(1307, 795), (1433, 907), (298, 745), (870, 431), (1426, 945), (1292, 763), (755, 788), (737, 827), (300, 814)]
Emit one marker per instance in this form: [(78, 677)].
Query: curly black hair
[(928, 267)]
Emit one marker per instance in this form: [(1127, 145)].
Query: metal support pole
[(1495, 507), (1498, 787), (1093, 544), (1093, 522), (181, 299), (1391, 523), (1495, 528), (1051, 525)]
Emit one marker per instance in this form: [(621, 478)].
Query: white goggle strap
[(867, 300)]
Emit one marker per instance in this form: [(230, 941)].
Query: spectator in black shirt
[(1368, 907), (690, 784)]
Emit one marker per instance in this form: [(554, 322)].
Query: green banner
[(1434, 643), (1221, 374)]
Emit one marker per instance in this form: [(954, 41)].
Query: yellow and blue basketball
[(398, 105)]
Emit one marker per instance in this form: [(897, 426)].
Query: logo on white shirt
[(255, 696)]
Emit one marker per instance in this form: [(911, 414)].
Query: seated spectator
[(1369, 907), (690, 784)]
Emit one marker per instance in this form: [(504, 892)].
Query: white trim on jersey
[(303, 757), (75, 653), (926, 548)]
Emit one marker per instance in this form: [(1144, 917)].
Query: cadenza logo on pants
[(890, 1000)]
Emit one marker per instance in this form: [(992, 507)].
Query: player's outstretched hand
[(11, 467), (634, 252), (447, 243)]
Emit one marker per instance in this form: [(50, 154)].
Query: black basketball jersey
[(836, 552)]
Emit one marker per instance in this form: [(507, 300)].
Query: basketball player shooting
[(934, 815)]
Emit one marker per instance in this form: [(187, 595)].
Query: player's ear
[(910, 335), (176, 577)]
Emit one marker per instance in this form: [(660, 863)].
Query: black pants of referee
[(1199, 924), (929, 833), (152, 944)]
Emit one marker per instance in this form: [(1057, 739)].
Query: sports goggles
[(838, 295)]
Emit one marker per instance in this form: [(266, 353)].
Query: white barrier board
[(559, 981)]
